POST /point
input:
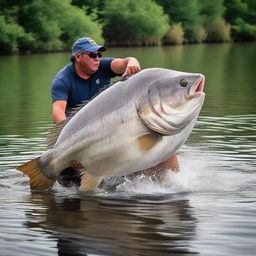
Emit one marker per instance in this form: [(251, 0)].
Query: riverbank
[(54, 25)]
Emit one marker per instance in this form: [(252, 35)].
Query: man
[(80, 81)]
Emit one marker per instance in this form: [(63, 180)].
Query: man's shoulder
[(106, 60), (105, 67), (65, 77), (65, 72)]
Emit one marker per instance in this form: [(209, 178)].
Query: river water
[(209, 208)]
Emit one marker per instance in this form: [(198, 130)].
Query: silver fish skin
[(131, 126)]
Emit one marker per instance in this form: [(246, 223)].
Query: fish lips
[(197, 89)]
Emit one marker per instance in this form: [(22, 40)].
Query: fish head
[(173, 101)]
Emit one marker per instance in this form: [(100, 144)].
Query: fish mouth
[(197, 89)]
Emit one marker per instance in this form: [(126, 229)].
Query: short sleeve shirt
[(68, 86)]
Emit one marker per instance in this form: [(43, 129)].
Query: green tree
[(242, 16), (217, 30), (243, 31), (211, 11), (56, 24), (90, 6), (129, 22), (49, 25), (251, 12), (13, 37), (234, 9), (185, 12)]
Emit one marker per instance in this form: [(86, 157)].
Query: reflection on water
[(193, 212), (231, 137), (118, 227), (208, 208)]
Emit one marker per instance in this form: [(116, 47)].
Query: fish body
[(133, 125)]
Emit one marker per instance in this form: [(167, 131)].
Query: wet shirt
[(68, 86)]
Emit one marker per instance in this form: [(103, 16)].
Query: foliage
[(235, 9), (52, 24), (243, 31), (200, 35), (241, 14), (186, 12), (211, 11), (175, 35), (91, 7), (251, 12), (130, 22), (13, 37), (218, 31)]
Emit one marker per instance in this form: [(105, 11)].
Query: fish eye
[(183, 82)]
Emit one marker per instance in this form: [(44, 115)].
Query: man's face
[(88, 61)]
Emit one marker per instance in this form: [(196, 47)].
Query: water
[(208, 208)]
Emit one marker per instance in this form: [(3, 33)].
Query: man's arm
[(125, 66), (58, 111)]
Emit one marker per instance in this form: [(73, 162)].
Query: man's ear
[(77, 57)]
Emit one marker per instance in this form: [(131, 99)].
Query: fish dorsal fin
[(56, 129), (54, 133)]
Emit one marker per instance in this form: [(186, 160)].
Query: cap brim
[(95, 48)]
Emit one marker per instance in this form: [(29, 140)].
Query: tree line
[(54, 25)]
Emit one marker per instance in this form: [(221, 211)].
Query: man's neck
[(81, 73)]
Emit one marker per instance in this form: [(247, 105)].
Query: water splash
[(216, 158)]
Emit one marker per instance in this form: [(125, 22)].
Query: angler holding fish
[(80, 81), (131, 126)]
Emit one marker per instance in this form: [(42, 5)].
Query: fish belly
[(121, 155)]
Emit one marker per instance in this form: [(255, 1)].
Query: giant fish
[(133, 125)]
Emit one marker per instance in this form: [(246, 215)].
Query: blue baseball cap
[(86, 44)]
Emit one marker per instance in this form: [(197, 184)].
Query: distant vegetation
[(54, 25)]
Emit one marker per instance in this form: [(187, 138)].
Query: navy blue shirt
[(68, 86)]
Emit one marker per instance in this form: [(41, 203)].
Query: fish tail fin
[(38, 181)]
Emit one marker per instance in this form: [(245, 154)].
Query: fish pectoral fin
[(148, 141), (89, 182), (38, 181)]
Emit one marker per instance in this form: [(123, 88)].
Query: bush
[(56, 24), (175, 35), (200, 35), (13, 37), (130, 22), (186, 12), (243, 31), (45, 25), (211, 11), (218, 31), (74, 23)]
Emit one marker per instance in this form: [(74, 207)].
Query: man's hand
[(132, 67), (126, 67)]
